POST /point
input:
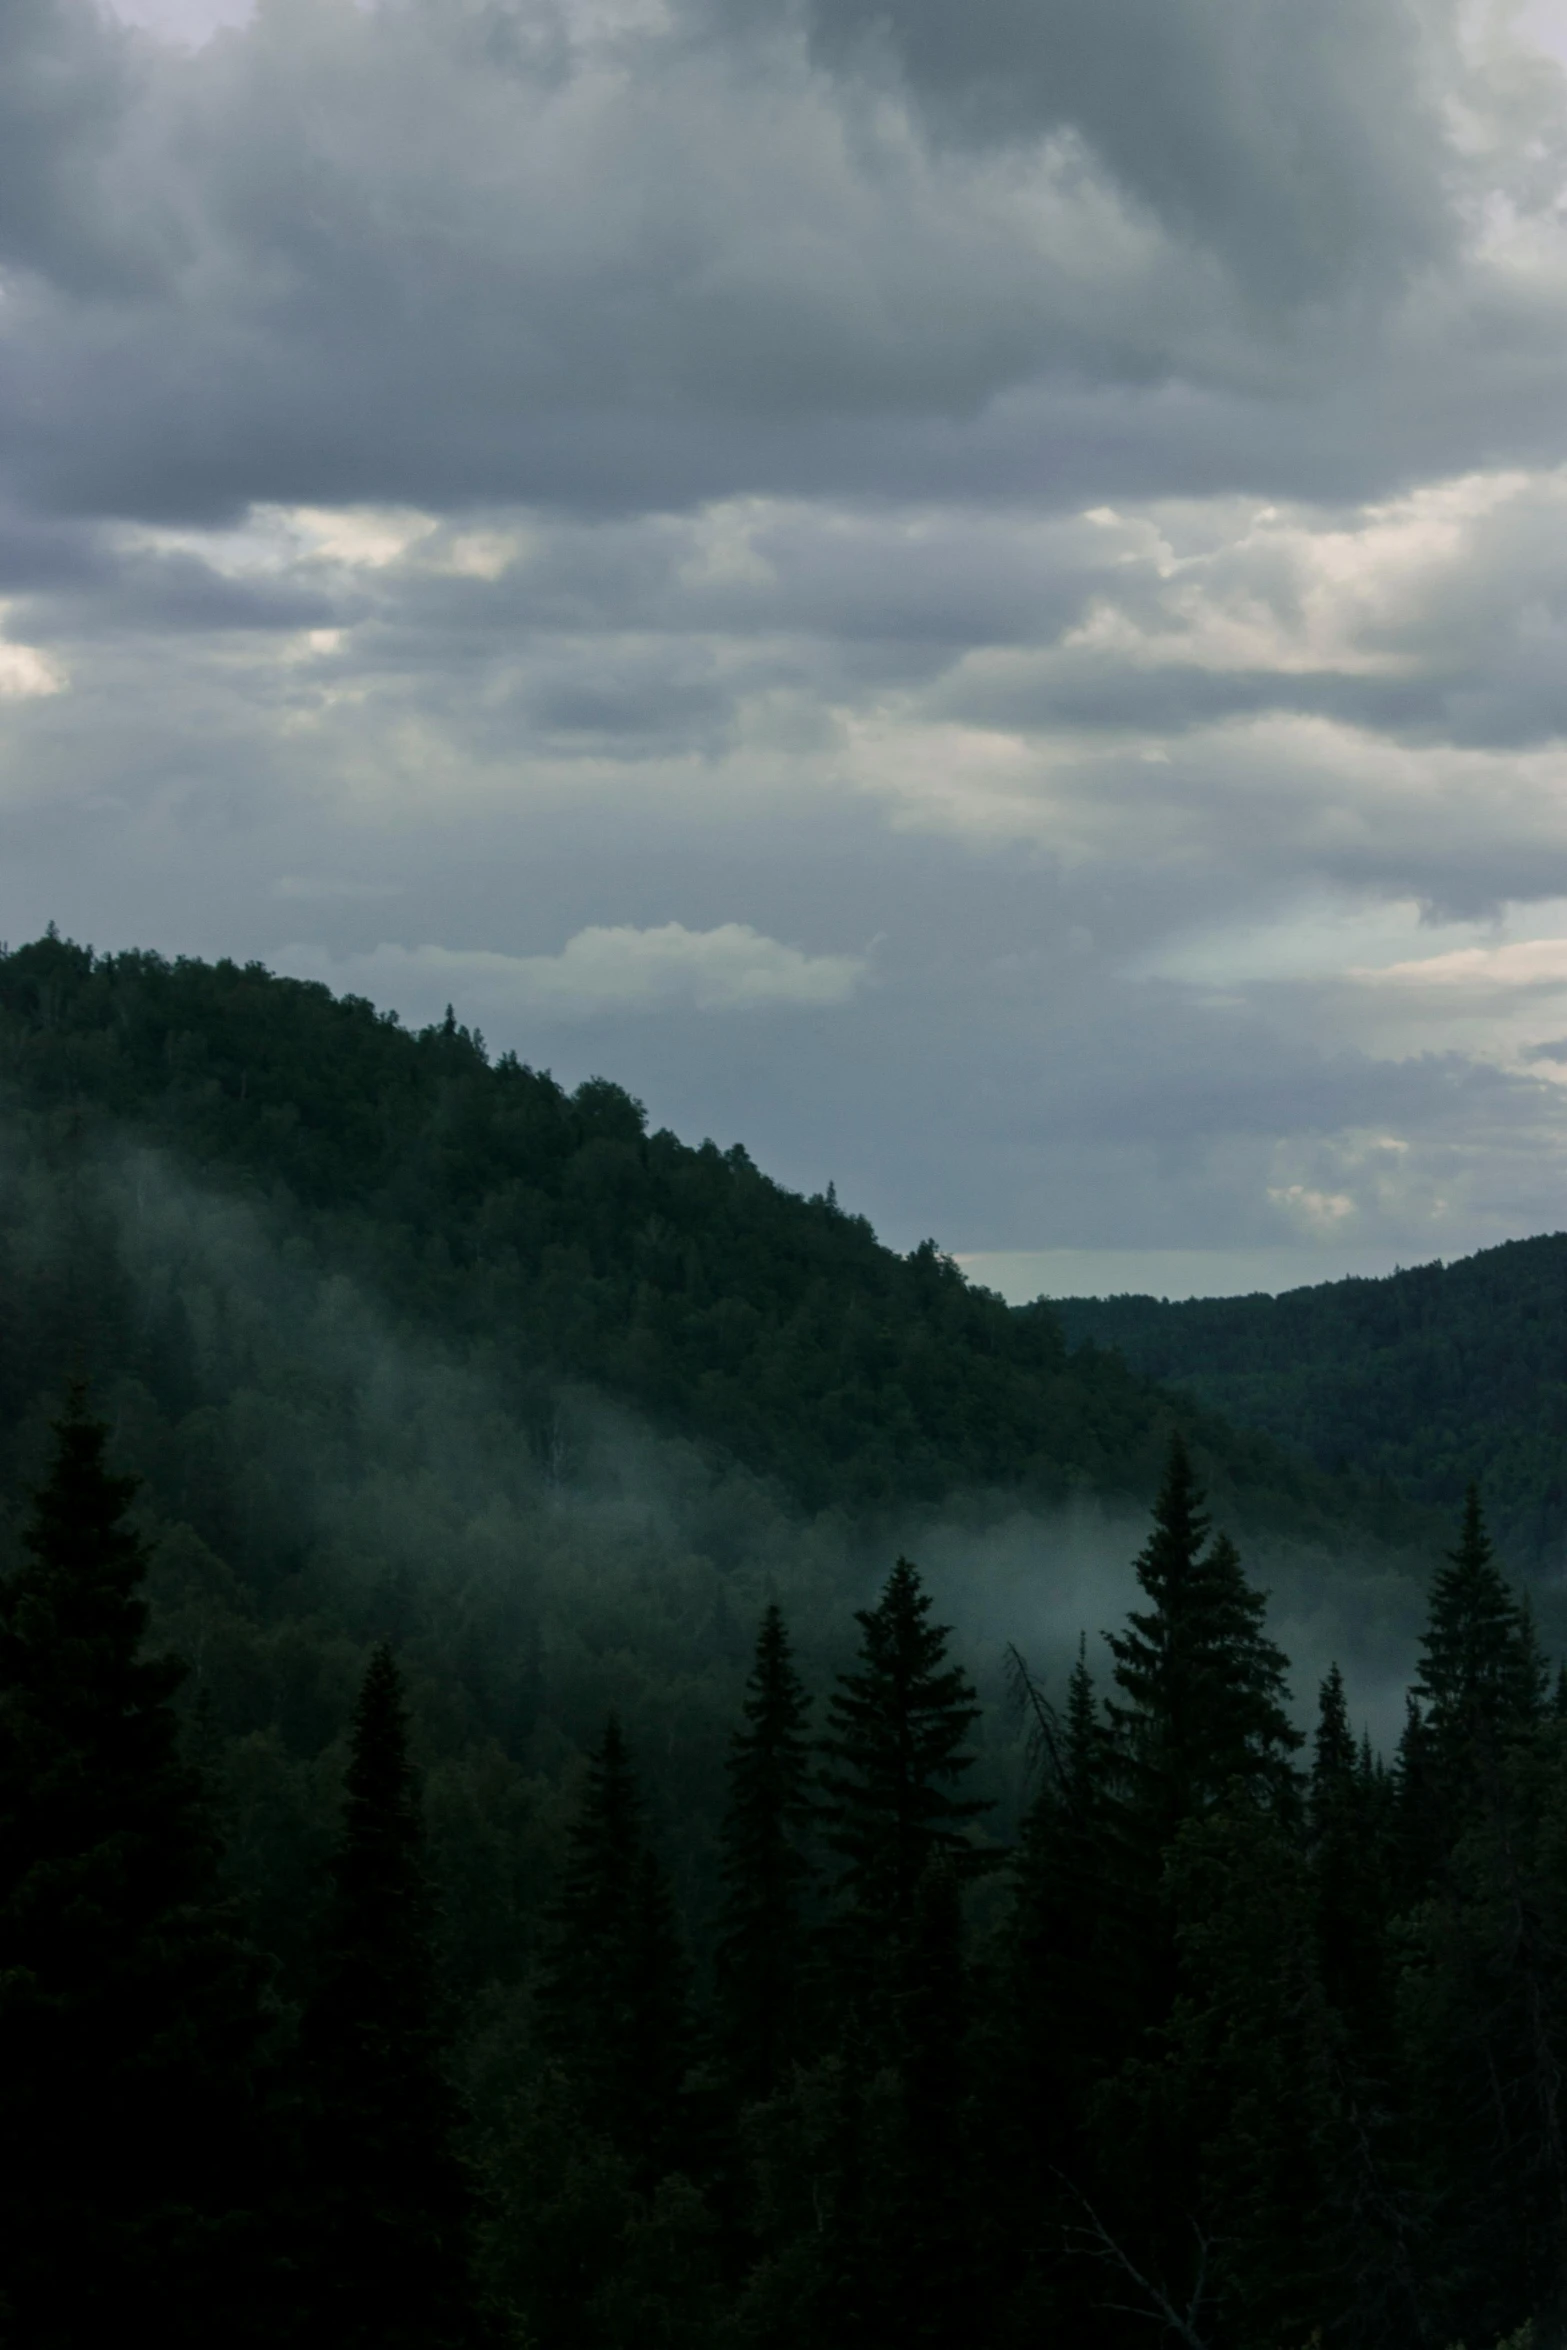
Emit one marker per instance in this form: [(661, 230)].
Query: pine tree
[(390, 2197), (1203, 1684), (895, 1750), (936, 2280), (1481, 1676), (130, 2023), (1348, 1876), (615, 1996), (1421, 1825), (765, 1869)]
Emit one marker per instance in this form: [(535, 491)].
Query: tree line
[(1251, 2042)]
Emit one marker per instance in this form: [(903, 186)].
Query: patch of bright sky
[(1326, 938), (1024, 1274), (190, 23), (1543, 23)]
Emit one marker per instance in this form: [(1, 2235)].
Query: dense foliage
[(1249, 2056), (483, 1203), (603, 1904), (1424, 1380)]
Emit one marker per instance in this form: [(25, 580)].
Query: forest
[(1426, 1378), (551, 1792)]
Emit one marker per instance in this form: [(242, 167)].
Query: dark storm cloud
[(737, 385), (1301, 144), (456, 254)]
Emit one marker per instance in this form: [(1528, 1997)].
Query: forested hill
[(1426, 1378), (491, 1210)]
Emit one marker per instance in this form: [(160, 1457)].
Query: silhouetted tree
[(765, 1869), (896, 1749), (388, 2192), (130, 2025), (1202, 1684), (615, 1996), (1481, 1678)]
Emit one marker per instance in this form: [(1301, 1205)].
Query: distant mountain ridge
[(494, 1211), (1425, 1378)]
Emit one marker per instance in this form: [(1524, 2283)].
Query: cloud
[(606, 969), (1064, 491), (1525, 963)]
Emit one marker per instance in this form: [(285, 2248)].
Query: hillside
[(1426, 1378), (486, 1207)]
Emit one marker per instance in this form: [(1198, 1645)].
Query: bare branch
[(1157, 2305), (1045, 1736)]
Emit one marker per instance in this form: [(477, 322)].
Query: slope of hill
[(406, 1344), (1425, 1378), (483, 1204)]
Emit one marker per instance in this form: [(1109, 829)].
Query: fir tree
[(1480, 1677), (1348, 1875), (936, 2283), (130, 2025), (389, 2194), (1203, 1684), (615, 1995), (1421, 1823), (895, 1752), (765, 1869)]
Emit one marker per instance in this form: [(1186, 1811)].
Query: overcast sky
[(972, 593)]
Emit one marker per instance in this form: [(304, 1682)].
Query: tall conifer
[(1348, 1874), (765, 1868), (896, 1751), (390, 2197), (130, 2026), (1481, 1678), (1202, 1684), (615, 1995)]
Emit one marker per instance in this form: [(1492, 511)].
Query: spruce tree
[(1348, 1876), (1422, 1826), (765, 1870), (390, 2197), (896, 1750), (130, 2022), (1203, 1685), (1480, 1676), (615, 1995), (934, 2284)]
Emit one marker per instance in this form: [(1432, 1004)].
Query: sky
[(974, 597)]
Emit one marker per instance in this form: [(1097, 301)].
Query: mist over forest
[(549, 1485)]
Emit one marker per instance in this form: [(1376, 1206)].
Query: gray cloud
[(1039, 489)]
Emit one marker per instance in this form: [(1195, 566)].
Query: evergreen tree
[(1066, 1952), (895, 1751), (765, 1869), (1480, 1676), (130, 2025), (935, 2284), (1421, 1822), (1348, 1875), (391, 2263), (1203, 1684), (615, 1995)]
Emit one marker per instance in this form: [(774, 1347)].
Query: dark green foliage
[(130, 2029), (1349, 1853), (556, 1233), (1417, 1384), (896, 1750), (615, 1994), (935, 2282), (765, 1870), (1480, 1676), (389, 2204), (1220, 2057), (1202, 1705)]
